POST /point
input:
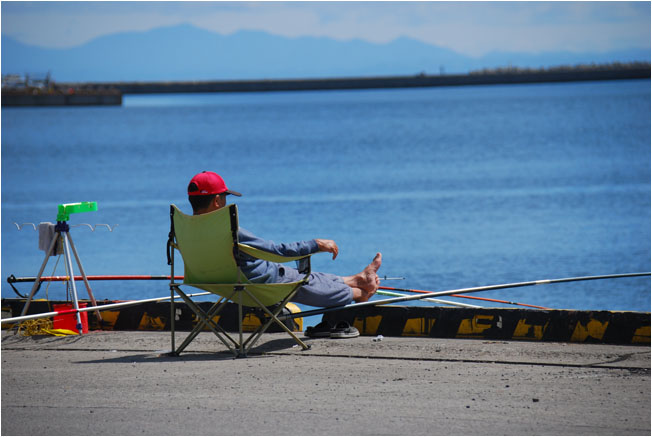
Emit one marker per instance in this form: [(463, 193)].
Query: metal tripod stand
[(62, 233)]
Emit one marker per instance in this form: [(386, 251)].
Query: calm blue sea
[(457, 187)]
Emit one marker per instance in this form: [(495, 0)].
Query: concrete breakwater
[(110, 93), (422, 80), (58, 99)]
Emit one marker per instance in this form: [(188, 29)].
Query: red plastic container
[(69, 321)]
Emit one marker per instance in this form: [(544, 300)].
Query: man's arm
[(298, 248)]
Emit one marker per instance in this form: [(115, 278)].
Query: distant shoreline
[(417, 81), (110, 93)]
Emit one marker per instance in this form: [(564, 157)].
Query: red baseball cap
[(208, 182)]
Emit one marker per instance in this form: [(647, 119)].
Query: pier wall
[(10, 99), (571, 326)]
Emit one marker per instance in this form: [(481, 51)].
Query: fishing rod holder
[(93, 228), (61, 241)]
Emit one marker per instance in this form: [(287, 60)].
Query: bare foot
[(369, 274), (365, 283)]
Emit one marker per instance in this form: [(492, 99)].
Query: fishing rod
[(579, 278), (152, 300), (445, 302), (12, 279), (93, 308), (467, 297), (460, 290)]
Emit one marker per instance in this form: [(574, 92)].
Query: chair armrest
[(268, 256)]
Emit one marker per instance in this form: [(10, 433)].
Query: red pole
[(95, 278)]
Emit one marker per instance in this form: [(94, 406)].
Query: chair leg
[(172, 318), (205, 320), (241, 351), (212, 312), (273, 318)]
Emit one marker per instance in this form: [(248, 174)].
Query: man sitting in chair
[(207, 192)]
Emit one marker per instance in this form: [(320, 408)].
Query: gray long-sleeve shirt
[(261, 271)]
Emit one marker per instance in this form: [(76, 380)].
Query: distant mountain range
[(188, 53)]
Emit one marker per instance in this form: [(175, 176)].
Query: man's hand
[(327, 246)]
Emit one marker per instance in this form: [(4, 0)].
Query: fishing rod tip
[(385, 278)]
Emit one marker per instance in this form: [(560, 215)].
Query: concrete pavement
[(121, 383)]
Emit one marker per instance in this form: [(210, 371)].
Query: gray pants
[(322, 289)]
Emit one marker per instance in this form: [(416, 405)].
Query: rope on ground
[(30, 328)]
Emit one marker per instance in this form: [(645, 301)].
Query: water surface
[(457, 187)]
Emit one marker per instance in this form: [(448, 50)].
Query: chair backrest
[(206, 243)]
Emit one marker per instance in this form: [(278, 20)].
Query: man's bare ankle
[(358, 294)]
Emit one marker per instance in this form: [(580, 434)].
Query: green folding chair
[(209, 246)]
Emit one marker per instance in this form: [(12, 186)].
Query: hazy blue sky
[(472, 28)]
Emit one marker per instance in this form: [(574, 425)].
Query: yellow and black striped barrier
[(616, 327)]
